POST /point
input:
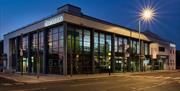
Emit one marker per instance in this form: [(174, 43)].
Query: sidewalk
[(30, 79)]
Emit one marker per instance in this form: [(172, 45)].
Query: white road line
[(84, 84), (176, 78), (19, 83), (153, 86), (6, 84)]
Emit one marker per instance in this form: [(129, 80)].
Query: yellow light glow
[(109, 54), (147, 14)]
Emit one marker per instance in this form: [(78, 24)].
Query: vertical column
[(84, 68), (65, 49), (99, 52), (112, 53), (124, 60), (10, 56), (92, 51), (29, 54), (17, 54), (45, 52), (130, 54)]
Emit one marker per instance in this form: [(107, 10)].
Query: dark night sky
[(17, 13)]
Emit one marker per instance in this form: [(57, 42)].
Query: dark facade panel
[(177, 59), (1, 54)]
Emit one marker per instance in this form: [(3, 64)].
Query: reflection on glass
[(146, 48), (55, 42), (138, 48)]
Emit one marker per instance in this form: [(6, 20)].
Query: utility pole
[(139, 57)]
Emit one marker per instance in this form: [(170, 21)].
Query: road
[(136, 82)]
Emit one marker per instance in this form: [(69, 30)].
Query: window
[(146, 48), (120, 45), (56, 46), (161, 49), (25, 43), (41, 41), (96, 43), (108, 49), (125, 44), (96, 50), (55, 39), (86, 40), (115, 44), (102, 45), (108, 43), (134, 47), (138, 48), (78, 40)]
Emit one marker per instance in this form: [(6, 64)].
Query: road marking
[(156, 77), (153, 86), (176, 78), (19, 83), (84, 84), (6, 84), (32, 89)]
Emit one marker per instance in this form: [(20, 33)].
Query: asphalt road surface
[(143, 82)]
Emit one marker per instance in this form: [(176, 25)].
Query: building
[(70, 42), (177, 59), (163, 52), (1, 55)]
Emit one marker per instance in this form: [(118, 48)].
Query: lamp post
[(147, 14), (139, 57)]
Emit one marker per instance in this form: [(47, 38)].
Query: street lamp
[(147, 14)]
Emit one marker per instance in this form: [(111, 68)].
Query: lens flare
[(147, 14)]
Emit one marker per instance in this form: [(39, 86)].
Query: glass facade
[(119, 61), (37, 52), (102, 51), (79, 50), (135, 60), (34, 52), (96, 51), (25, 53), (55, 44), (81, 42), (14, 50)]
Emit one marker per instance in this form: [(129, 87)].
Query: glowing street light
[(147, 14)]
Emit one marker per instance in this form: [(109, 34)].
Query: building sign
[(53, 20), (172, 45)]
